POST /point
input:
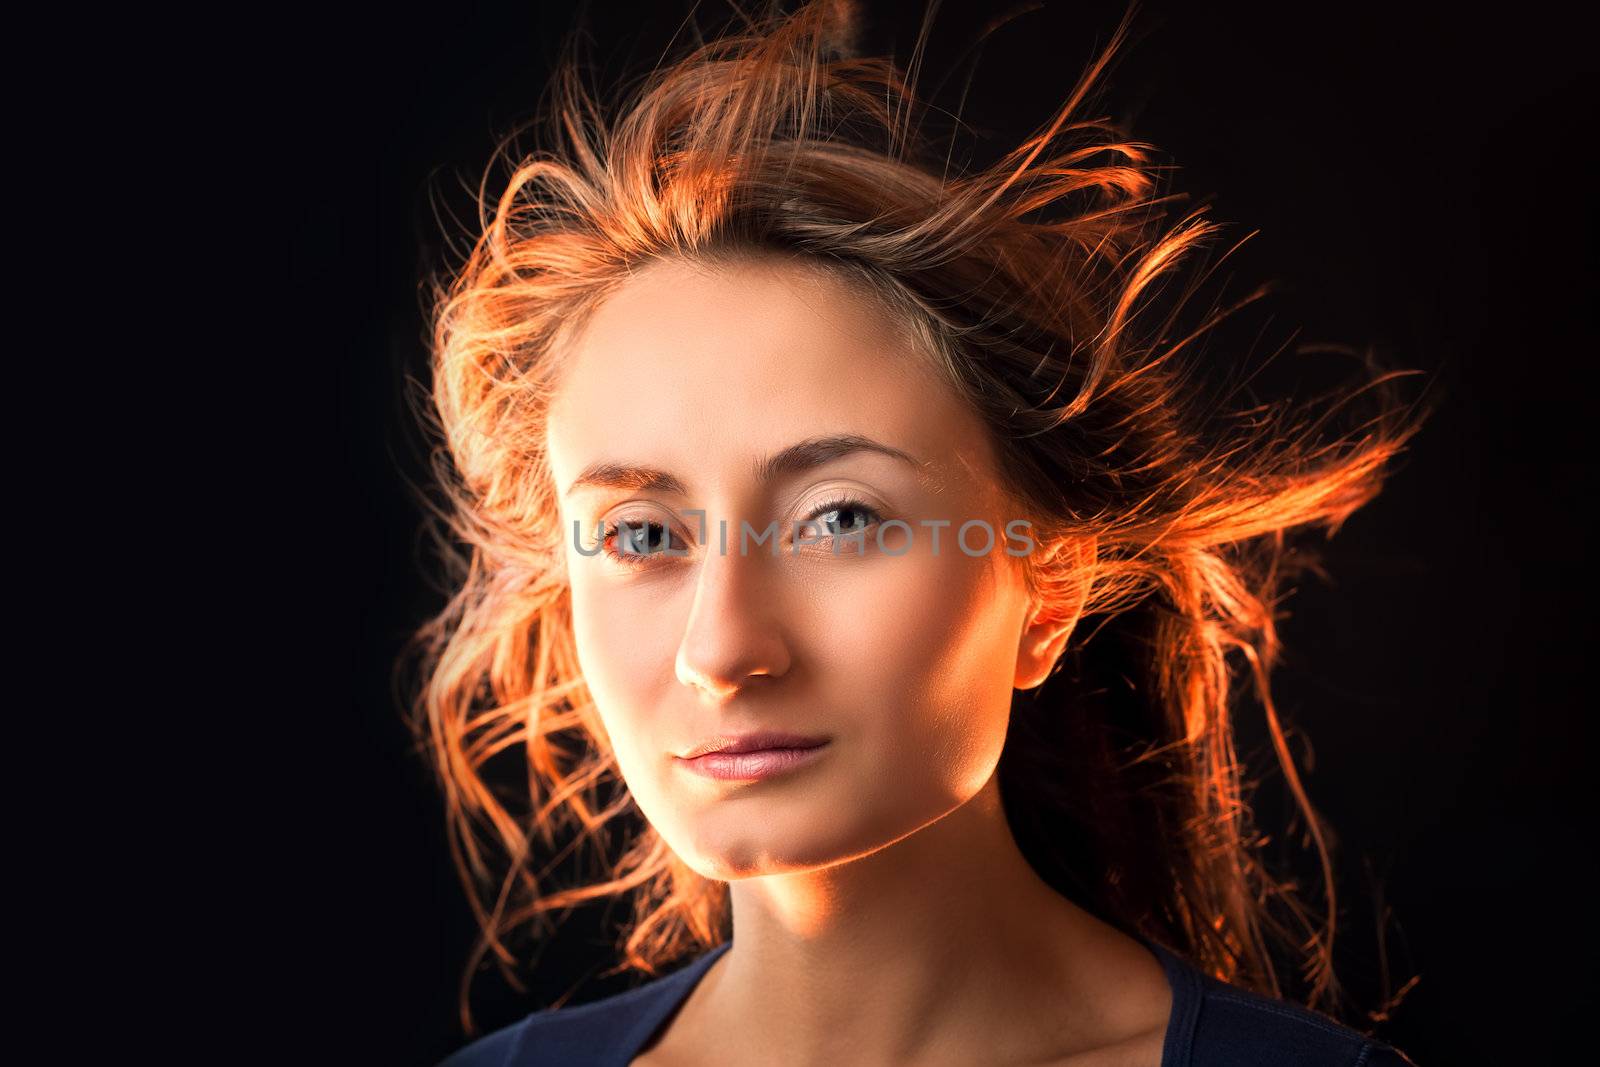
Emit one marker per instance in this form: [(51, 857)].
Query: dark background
[(1421, 181)]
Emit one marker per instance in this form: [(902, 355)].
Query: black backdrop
[(1419, 180)]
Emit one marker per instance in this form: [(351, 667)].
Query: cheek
[(626, 648), (925, 658)]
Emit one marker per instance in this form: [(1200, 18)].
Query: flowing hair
[(1045, 290)]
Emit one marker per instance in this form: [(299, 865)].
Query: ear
[(1042, 645), (1051, 621)]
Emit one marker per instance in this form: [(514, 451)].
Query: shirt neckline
[(681, 983)]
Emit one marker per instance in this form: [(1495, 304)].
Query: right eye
[(632, 542)]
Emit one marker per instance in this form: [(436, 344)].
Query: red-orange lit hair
[(1030, 286)]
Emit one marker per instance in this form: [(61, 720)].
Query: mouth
[(752, 757)]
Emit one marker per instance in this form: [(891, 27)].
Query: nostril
[(713, 691)]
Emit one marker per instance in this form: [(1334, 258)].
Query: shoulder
[(1240, 1028), (494, 1049), (572, 1035), (1217, 1024), (602, 1031)]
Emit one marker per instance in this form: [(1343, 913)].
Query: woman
[(859, 525)]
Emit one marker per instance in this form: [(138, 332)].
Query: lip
[(752, 757)]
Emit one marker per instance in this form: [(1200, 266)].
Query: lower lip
[(751, 766)]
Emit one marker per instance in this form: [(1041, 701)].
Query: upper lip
[(753, 742)]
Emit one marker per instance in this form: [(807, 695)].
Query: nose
[(733, 636)]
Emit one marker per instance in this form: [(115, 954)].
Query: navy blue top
[(1213, 1024)]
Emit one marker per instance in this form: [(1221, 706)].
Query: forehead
[(696, 369)]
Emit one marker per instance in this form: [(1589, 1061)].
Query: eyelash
[(640, 560)]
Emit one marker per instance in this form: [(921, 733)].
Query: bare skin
[(882, 911)]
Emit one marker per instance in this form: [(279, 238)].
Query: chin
[(733, 846)]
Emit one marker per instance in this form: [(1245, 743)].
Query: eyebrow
[(802, 456)]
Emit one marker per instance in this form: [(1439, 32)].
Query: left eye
[(842, 518)]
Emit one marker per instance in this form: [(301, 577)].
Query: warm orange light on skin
[(908, 661)]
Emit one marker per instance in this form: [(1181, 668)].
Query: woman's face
[(681, 388)]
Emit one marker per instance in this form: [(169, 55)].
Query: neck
[(945, 939)]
